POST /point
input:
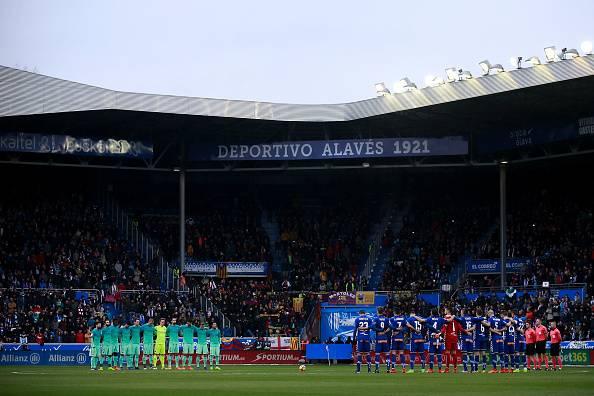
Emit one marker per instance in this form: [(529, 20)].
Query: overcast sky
[(280, 51)]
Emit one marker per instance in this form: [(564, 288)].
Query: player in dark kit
[(467, 323), (417, 342), (434, 323), (481, 339), (497, 328), (363, 326), (381, 326), (399, 329)]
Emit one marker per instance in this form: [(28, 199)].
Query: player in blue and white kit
[(520, 322), (467, 340), (417, 342), (362, 333), (434, 323), (509, 341), (381, 326), (481, 339), (497, 328), (397, 348)]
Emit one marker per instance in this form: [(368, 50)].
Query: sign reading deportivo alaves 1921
[(331, 149)]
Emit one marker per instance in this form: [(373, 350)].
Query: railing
[(522, 288), (98, 294), (311, 326), (206, 305), (375, 246), (130, 229)]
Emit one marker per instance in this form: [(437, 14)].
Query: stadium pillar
[(182, 219), (502, 221)]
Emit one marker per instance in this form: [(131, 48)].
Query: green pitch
[(281, 380)]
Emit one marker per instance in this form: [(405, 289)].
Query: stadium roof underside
[(489, 105)]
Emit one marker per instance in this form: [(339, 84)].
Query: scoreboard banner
[(330, 149), (65, 144)]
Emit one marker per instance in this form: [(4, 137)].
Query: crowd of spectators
[(40, 316), (217, 229), (324, 240), (258, 309), (555, 232), (433, 237), (64, 241)]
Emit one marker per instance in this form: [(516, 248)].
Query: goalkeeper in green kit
[(134, 348), (202, 347), (188, 330), (215, 346)]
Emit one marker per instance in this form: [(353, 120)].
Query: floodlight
[(516, 62), (569, 53), (433, 81), (550, 53), (464, 75), (486, 67), (381, 89), (534, 60), (451, 74), (404, 85), (586, 47)]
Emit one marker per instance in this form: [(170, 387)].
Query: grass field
[(281, 380)]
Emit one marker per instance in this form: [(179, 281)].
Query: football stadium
[(431, 239)]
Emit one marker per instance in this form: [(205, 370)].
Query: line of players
[(112, 345), (513, 342)]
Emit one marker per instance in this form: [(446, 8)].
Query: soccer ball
[(302, 367)]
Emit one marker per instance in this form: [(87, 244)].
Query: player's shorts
[(497, 346), (148, 348), (530, 349), (541, 347), (481, 344), (95, 351), (451, 346), (397, 346), (160, 349), (382, 347), (107, 349), (510, 347), (362, 347), (436, 347), (202, 349), (125, 349), (468, 346), (134, 349), (555, 349), (173, 347), (188, 348), (520, 346), (417, 346), (115, 349), (215, 350)]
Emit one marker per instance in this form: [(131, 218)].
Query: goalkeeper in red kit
[(451, 330)]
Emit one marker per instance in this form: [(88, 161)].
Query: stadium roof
[(25, 93)]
